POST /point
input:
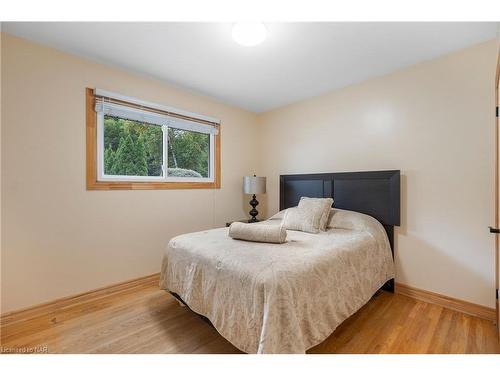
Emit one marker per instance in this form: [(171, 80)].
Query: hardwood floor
[(144, 319)]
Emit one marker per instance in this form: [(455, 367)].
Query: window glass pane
[(188, 153), (132, 148)]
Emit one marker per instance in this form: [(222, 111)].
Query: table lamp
[(254, 185)]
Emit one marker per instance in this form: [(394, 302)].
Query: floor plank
[(145, 319)]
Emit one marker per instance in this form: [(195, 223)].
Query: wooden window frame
[(91, 159)]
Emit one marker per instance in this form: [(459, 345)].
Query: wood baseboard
[(77, 299), (107, 291), (465, 307)]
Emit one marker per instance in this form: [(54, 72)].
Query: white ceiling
[(297, 61)]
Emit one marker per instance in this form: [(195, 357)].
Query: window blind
[(150, 117)]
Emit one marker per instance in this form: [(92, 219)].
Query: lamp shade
[(254, 185)]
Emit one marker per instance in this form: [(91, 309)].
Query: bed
[(287, 298)]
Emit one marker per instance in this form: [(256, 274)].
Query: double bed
[(287, 298)]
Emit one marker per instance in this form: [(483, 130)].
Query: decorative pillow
[(258, 232), (352, 220), (304, 219), (322, 204), (279, 215)]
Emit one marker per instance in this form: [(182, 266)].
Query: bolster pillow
[(256, 232)]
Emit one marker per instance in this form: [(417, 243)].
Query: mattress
[(280, 298)]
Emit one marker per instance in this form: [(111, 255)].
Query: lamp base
[(253, 212)]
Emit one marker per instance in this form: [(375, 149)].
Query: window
[(136, 145)]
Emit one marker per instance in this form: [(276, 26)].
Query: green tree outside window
[(136, 149)]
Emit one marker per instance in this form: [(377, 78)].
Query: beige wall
[(435, 122), (60, 239)]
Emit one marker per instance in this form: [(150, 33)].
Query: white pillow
[(257, 232), (351, 220), (308, 215), (302, 220), (324, 205), (279, 215)]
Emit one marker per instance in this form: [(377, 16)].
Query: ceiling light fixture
[(249, 33)]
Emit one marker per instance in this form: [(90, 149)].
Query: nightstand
[(239, 221)]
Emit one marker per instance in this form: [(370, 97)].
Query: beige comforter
[(280, 298)]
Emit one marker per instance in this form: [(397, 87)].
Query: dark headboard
[(375, 193)]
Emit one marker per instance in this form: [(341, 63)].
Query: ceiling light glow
[(249, 33)]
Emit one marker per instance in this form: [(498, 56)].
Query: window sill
[(147, 185)]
